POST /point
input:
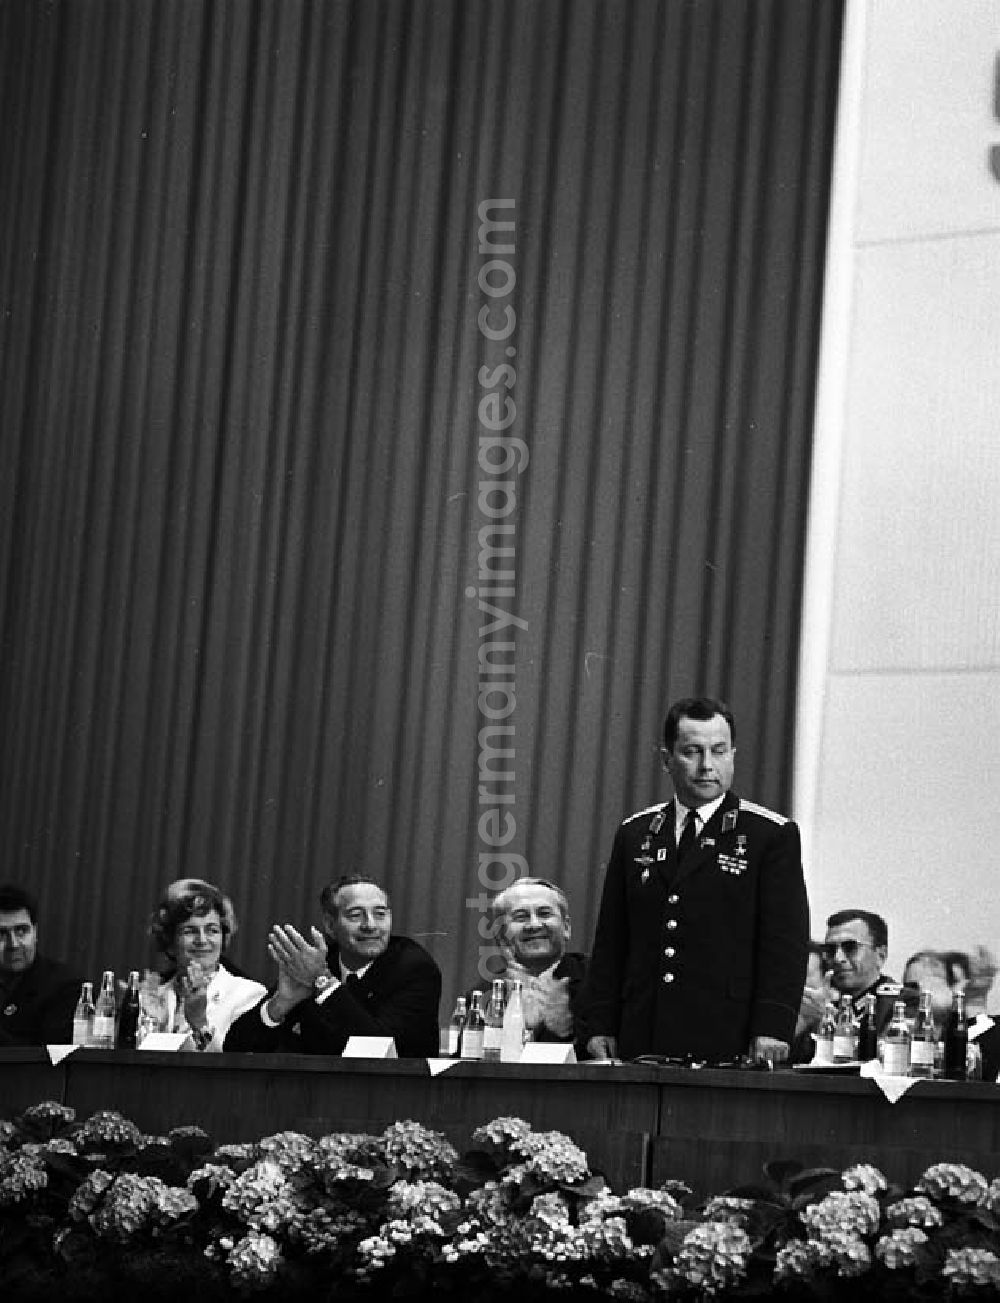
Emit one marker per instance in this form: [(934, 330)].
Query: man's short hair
[(877, 927), (328, 896), (13, 898), (702, 708), (500, 903)]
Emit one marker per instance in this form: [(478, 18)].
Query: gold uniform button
[(672, 899), (671, 924), (668, 977), (669, 952)]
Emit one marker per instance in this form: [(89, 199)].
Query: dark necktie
[(688, 834)]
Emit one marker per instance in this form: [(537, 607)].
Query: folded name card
[(547, 1052), (370, 1047), (59, 1052), (163, 1040)]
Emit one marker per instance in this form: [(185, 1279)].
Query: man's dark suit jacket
[(37, 1008), (572, 966), (698, 958), (398, 996)]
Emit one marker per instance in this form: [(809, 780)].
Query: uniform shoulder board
[(650, 809), (752, 807)]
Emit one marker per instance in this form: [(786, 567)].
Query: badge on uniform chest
[(737, 862)]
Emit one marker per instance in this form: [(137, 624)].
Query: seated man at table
[(355, 978), (37, 995), (855, 950), (530, 920)]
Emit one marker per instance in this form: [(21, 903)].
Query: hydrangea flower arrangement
[(95, 1207)]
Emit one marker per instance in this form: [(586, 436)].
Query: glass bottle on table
[(867, 1030), (128, 1022), (83, 1016), (105, 1013), (513, 1025), (956, 1040), (453, 1041), (825, 1033), (475, 1026), (896, 1042), (845, 1034), (923, 1047), (493, 1020)]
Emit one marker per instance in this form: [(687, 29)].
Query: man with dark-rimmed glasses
[(854, 951)]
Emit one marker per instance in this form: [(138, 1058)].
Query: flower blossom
[(552, 1156), (713, 1257), (429, 1197), (969, 1268), (865, 1177), (89, 1193), (955, 1181), (107, 1129), (418, 1151), (901, 1248), (852, 1211), (916, 1210), (21, 1175), (254, 1261)]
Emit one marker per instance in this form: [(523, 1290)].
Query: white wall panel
[(898, 733), (929, 118), (919, 532), (900, 826)]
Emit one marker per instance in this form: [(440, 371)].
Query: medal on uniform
[(661, 854), (741, 845)]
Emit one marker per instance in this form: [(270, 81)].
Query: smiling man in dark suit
[(37, 995), (353, 979), (703, 930)]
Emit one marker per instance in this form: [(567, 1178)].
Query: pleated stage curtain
[(296, 578)]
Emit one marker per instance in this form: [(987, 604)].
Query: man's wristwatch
[(202, 1037), (323, 983)]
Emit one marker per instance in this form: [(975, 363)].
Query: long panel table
[(712, 1128)]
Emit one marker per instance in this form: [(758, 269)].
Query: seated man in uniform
[(352, 979), (855, 949), (37, 995), (530, 920)]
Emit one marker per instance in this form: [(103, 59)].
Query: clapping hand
[(546, 1004), (193, 989), (299, 962)]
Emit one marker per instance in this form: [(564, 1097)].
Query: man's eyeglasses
[(850, 948)]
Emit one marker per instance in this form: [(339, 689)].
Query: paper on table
[(369, 1047), (163, 1040), (891, 1086), (437, 1066), (59, 1052), (547, 1052)]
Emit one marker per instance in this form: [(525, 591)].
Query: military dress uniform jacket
[(697, 959), (36, 1008), (397, 996)]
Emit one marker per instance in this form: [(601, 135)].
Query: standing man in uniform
[(703, 930)]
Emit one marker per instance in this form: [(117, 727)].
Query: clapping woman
[(192, 927)]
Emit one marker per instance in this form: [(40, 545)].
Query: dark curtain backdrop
[(239, 266)]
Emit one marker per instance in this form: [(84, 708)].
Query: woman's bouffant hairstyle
[(189, 898)]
